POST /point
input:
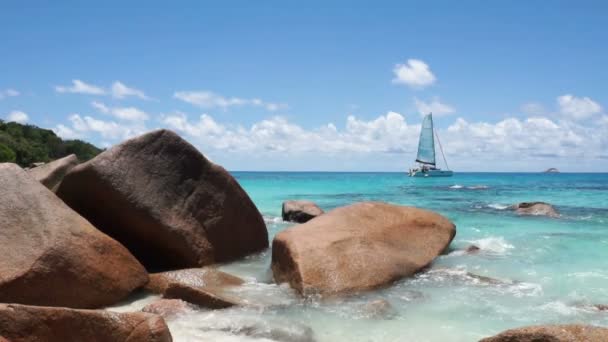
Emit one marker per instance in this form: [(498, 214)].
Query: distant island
[(551, 170), (28, 144)]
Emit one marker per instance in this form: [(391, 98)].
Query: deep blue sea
[(546, 270)]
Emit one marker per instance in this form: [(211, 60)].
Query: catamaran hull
[(431, 173)]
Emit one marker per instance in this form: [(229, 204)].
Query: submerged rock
[(23, 323), (168, 204), (240, 324), (300, 211), (458, 275), (535, 209), (379, 308), (51, 174), (601, 307), (359, 247), (552, 333), (167, 308), (52, 256)]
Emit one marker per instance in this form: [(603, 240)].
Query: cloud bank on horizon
[(572, 130)]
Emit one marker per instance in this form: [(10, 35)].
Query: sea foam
[(493, 244)]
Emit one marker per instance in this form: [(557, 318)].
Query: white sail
[(426, 145)]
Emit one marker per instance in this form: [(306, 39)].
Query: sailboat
[(426, 152)]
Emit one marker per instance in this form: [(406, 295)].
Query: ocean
[(543, 270)]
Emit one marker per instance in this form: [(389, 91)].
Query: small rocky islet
[(153, 213)]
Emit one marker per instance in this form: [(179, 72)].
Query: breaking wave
[(493, 245), (498, 206)]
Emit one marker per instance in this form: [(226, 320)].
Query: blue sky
[(274, 85)]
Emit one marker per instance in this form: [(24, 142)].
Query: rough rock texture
[(52, 256), (168, 204), (300, 211), (194, 277), (52, 174), (23, 323), (167, 308), (536, 209), (359, 247), (552, 333)]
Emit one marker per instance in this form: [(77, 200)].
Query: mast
[(441, 149), (426, 144)]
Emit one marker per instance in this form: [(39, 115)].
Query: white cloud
[(577, 108), (83, 126), (66, 133), (434, 106), (208, 99), (80, 87), (8, 93), (100, 107), (385, 133), (123, 113), (386, 142), (508, 144), (17, 116), (120, 90), (415, 73), (11, 92)]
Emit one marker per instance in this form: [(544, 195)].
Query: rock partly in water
[(552, 333), (52, 256), (359, 247), (551, 170), (168, 204), (23, 323), (194, 277), (300, 211), (212, 298), (52, 174), (472, 249), (168, 308), (535, 209), (207, 287)]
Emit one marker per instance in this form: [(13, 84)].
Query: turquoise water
[(547, 270)]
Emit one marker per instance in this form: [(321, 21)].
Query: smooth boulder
[(359, 247), (552, 333), (24, 323), (168, 308), (52, 256), (52, 174), (195, 277), (212, 298), (535, 209), (300, 211), (205, 287), (168, 204)]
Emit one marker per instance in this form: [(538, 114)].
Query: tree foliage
[(27, 144)]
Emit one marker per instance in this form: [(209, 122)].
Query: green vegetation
[(27, 144)]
